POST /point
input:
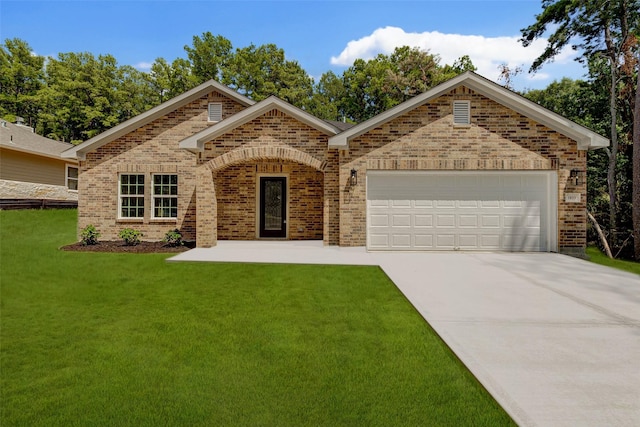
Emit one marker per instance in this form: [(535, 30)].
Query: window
[(461, 112), (215, 112), (131, 196), (165, 196), (72, 178)]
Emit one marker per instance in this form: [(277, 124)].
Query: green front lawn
[(123, 339)]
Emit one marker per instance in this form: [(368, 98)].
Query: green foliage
[(21, 77), (89, 235), (208, 56), (130, 236), (173, 238)]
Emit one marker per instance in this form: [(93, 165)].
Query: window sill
[(130, 220), (163, 220), (462, 125)]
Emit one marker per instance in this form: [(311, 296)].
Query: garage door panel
[(423, 241), (378, 241), (474, 211), (401, 220), (401, 241), (421, 220), (468, 221), (445, 221), (379, 220)]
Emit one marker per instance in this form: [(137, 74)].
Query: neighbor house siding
[(152, 148), (19, 166), (497, 139)]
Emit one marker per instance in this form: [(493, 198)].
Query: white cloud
[(144, 66), (485, 52)]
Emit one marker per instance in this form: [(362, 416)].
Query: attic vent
[(461, 112), (215, 112)]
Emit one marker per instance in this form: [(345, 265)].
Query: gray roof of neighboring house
[(22, 138)]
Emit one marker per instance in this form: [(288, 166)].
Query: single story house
[(467, 165), (31, 166)]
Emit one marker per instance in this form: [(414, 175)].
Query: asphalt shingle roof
[(23, 139)]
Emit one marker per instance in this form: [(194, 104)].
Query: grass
[(124, 339), (595, 255)]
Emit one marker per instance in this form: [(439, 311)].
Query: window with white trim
[(215, 112), (72, 178), (165, 196), (461, 112), (131, 195)]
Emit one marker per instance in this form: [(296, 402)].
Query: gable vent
[(215, 112), (461, 112)]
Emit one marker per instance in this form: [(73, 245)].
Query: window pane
[(72, 172)]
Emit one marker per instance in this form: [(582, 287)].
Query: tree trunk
[(635, 198), (603, 239), (613, 156)]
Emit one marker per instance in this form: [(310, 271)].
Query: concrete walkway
[(555, 339)]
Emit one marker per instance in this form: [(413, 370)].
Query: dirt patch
[(119, 246)]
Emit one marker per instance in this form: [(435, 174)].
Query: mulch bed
[(119, 246)]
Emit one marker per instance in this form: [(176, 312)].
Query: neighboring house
[(468, 165), (31, 167)]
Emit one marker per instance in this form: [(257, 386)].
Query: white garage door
[(494, 211)]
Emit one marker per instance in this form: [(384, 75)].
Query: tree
[(21, 77), (169, 80), (599, 29), (327, 99), (80, 98), (261, 71), (209, 57)]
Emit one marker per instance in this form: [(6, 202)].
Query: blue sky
[(320, 35)]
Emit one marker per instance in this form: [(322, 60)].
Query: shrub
[(130, 236), (89, 235), (173, 238)]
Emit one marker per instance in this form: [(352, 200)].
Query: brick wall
[(237, 195), (274, 144), (497, 139), (153, 148)]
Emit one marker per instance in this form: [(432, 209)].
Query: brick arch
[(243, 154)]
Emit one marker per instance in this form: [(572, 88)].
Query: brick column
[(206, 209)]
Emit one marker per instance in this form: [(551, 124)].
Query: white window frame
[(169, 196), (214, 112), (461, 109), (128, 195), (68, 178)]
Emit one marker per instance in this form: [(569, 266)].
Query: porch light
[(575, 175), (353, 179)]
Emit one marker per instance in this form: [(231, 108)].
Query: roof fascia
[(80, 151), (195, 143), (585, 138), (39, 153)]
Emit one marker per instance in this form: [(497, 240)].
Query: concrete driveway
[(555, 339)]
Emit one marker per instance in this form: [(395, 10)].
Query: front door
[(273, 206)]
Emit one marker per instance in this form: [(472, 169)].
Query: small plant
[(89, 235), (173, 238), (130, 236)]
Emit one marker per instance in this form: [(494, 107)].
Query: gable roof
[(585, 138), (140, 120), (23, 139), (195, 142)]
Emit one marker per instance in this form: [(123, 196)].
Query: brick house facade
[(242, 170)]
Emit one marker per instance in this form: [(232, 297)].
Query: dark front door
[(273, 206)]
